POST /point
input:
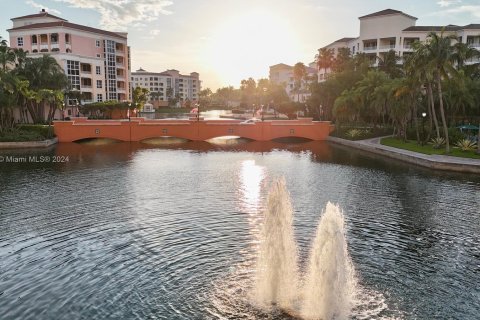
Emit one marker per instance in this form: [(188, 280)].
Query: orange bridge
[(138, 129)]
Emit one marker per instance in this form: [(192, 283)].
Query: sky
[(230, 40)]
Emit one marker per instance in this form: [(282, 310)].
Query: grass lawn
[(428, 149)]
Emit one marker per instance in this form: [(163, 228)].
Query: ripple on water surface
[(127, 232)]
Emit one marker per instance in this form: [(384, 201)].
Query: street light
[(424, 114), (265, 98), (128, 110)]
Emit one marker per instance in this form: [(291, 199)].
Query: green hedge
[(28, 132), (42, 130)]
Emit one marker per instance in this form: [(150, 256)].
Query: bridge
[(138, 129)]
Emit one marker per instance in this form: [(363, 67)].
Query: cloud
[(448, 3), (118, 14), (473, 10), (155, 32), (41, 6)]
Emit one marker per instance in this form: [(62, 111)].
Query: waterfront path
[(438, 162)]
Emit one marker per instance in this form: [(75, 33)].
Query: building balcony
[(387, 47), (121, 89), (474, 45), (370, 48), (44, 46)]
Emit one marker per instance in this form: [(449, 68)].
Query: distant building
[(185, 87), (97, 62), (390, 29), (282, 74)]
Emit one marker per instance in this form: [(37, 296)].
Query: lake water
[(130, 231)]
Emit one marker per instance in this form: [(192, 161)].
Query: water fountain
[(328, 288), (277, 274)]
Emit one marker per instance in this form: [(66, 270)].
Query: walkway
[(438, 162)]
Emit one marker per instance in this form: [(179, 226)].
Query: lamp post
[(63, 110), (263, 105), (198, 112), (128, 111), (424, 114)]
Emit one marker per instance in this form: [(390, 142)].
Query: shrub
[(437, 142), (466, 145), (455, 135), (20, 136), (46, 132), (354, 133)]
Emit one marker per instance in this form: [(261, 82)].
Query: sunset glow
[(244, 46)]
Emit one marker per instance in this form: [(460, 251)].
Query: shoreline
[(437, 162), (28, 144)]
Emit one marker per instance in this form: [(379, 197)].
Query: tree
[(47, 84), (343, 60), (140, 97), (324, 59), (299, 74), (439, 49), (205, 97), (389, 64), (248, 89)]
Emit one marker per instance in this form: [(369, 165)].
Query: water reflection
[(131, 230)]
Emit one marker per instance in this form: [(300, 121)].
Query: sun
[(246, 45)]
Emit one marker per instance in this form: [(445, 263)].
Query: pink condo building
[(97, 62)]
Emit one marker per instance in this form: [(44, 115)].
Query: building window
[(20, 41), (34, 39), (97, 43), (99, 97), (98, 55), (99, 84), (98, 70), (73, 73)]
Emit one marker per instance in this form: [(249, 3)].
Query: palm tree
[(325, 59), (440, 50), (389, 64), (299, 74), (462, 52), (47, 85), (7, 55)]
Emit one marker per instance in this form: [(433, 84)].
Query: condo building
[(167, 84), (390, 29), (282, 74), (96, 62)]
